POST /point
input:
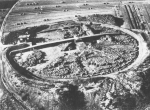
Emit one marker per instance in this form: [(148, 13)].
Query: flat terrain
[(112, 70)]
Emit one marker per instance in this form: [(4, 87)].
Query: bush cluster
[(35, 58)]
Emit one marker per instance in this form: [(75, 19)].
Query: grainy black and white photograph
[(74, 54)]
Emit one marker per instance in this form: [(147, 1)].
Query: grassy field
[(5, 5), (33, 12), (54, 10)]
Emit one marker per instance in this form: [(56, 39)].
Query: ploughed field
[(4, 8)]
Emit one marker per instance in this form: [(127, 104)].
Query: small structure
[(24, 38)]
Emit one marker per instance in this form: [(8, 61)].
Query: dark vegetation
[(125, 102), (35, 58), (72, 99), (10, 103), (12, 37), (146, 84), (7, 4), (138, 101), (104, 18), (16, 66)]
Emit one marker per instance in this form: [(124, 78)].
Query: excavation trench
[(142, 54)]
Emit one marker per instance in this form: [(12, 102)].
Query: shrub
[(35, 58)]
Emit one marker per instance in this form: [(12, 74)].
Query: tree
[(35, 58)]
